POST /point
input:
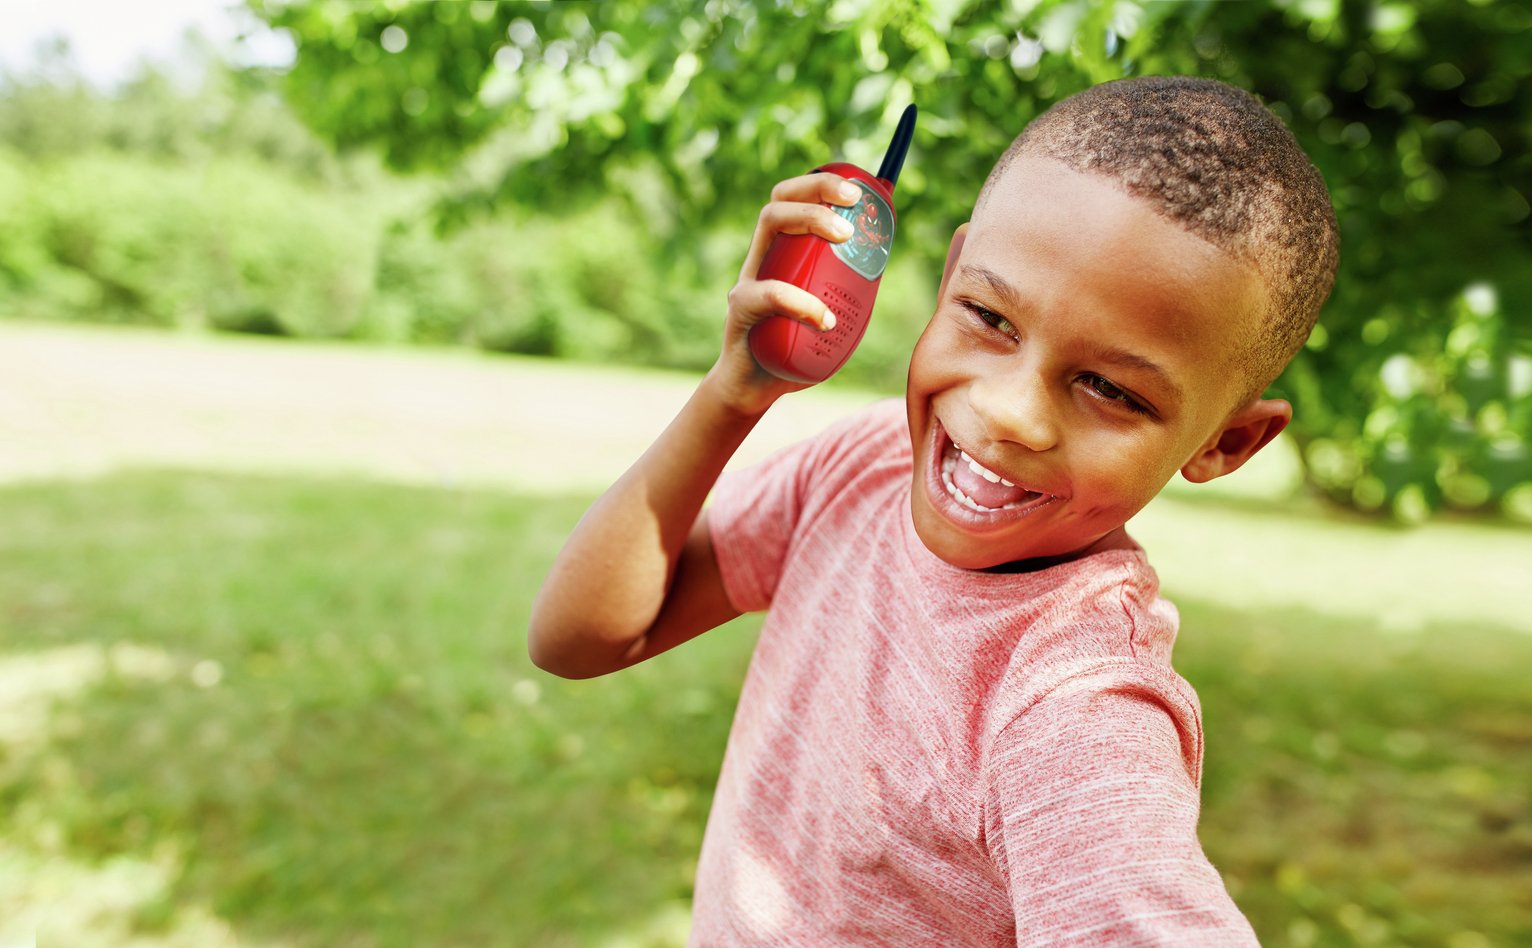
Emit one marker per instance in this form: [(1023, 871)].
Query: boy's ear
[(954, 250), (1247, 431)]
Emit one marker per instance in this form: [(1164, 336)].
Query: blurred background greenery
[(271, 709), (583, 173)]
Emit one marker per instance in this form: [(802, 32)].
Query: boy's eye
[(992, 318), (1102, 387), (1110, 392)]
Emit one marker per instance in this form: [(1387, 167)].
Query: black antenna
[(893, 159)]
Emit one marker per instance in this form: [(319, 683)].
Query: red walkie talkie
[(844, 275)]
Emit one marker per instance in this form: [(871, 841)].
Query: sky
[(110, 37)]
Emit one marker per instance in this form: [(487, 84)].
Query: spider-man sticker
[(867, 250)]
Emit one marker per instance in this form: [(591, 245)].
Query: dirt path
[(80, 401), (84, 400)]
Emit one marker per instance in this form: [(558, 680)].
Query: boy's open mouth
[(975, 487)]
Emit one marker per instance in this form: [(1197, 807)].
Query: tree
[(1415, 393)]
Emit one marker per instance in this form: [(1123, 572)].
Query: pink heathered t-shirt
[(927, 755)]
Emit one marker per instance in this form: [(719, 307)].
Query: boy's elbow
[(541, 657), (579, 643), (573, 671), (552, 642), (568, 654), (546, 655)]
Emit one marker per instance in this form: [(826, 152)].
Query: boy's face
[(1083, 348)]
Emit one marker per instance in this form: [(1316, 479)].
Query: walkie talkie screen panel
[(866, 251)]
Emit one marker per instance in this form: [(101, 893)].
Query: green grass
[(277, 710), (1362, 787), (377, 761)]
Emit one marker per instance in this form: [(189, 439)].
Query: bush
[(131, 228), (23, 258), (1446, 424), (227, 244), (279, 250)]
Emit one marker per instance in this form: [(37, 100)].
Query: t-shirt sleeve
[(1092, 799), (754, 512), (751, 516)]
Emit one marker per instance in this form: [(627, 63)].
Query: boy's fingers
[(788, 217), (820, 186), (782, 217), (796, 204), (754, 300)]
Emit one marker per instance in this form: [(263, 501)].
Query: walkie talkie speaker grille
[(850, 321)]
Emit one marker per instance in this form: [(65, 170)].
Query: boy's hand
[(795, 208)]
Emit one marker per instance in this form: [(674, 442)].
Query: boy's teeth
[(983, 471), (950, 462)]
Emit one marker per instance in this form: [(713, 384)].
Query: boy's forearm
[(613, 577), (607, 584)]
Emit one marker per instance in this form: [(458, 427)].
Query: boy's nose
[(1016, 406)]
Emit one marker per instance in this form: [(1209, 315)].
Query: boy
[(960, 724)]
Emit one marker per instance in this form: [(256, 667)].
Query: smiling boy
[(961, 724)]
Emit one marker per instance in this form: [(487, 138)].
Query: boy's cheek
[(933, 363), (1125, 489)]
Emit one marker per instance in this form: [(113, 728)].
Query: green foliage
[(232, 246), (209, 206), (1419, 115), (23, 257), (128, 228), (532, 286), (235, 244), (57, 115), (1420, 118), (288, 255), (174, 205), (1445, 418)]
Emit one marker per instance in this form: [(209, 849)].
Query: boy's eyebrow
[(1136, 361), (996, 283), (1108, 353)]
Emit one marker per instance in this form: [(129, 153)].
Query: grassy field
[(265, 710)]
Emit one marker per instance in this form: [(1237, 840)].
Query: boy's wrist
[(742, 400)]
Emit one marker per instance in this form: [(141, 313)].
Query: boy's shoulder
[(870, 441), (873, 427), (877, 432)]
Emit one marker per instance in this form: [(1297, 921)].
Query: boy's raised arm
[(637, 576)]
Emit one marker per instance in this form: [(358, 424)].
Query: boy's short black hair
[(1213, 158)]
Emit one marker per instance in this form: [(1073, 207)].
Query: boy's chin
[(964, 552), (972, 554)]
